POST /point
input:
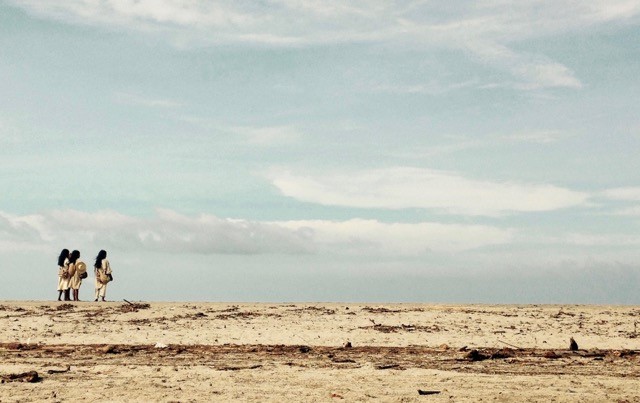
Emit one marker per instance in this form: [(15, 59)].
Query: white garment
[(63, 283), (101, 288)]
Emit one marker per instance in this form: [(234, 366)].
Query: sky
[(284, 150)]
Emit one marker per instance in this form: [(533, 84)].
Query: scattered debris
[(504, 353), (160, 345), (65, 307), (304, 349), (321, 310), (343, 360), (406, 328), (552, 355), (475, 355), (347, 345), (31, 376), (380, 310), (110, 349), (428, 392), (560, 313), (134, 306), (625, 353), (20, 346), (246, 315)]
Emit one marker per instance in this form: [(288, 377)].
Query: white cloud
[(612, 240), (623, 193), (486, 28), (373, 237), (269, 136), (431, 88), (169, 231), (534, 71), (629, 211), (540, 137), (402, 187), (133, 99)]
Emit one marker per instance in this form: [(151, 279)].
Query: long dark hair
[(63, 255), (101, 255), (75, 255)]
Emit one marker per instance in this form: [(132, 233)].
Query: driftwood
[(428, 392), (31, 376), (239, 368), (388, 366), (59, 371), (510, 345)]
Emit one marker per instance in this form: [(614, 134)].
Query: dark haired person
[(75, 272), (102, 270), (63, 275)]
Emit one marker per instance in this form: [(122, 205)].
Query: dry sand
[(295, 352)]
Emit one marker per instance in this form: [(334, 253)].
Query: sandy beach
[(118, 351)]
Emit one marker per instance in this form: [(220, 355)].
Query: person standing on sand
[(63, 275), (75, 272), (102, 270)]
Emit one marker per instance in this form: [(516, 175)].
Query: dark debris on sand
[(30, 376), (133, 306)]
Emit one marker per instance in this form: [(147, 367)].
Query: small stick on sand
[(510, 345), (59, 371)]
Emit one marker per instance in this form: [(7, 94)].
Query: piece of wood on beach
[(388, 366), (30, 376), (59, 371), (233, 368), (428, 392)]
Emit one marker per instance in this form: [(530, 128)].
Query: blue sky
[(324, 151)]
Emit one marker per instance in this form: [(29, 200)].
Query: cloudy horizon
[(324, 151)]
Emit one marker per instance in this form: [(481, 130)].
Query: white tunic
[(63, 283)]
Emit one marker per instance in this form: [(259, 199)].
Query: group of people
[(71, 272)]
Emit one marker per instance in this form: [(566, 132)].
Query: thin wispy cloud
[(628, 212), (485, 29), (623, 193), (612, 240), (405, 187), (134, 99), (431, 88), (538, 137), (534, 71), (372, 237), (172, 232), (629, 197), (269, 136)]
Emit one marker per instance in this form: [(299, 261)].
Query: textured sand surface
[(266, 352)]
